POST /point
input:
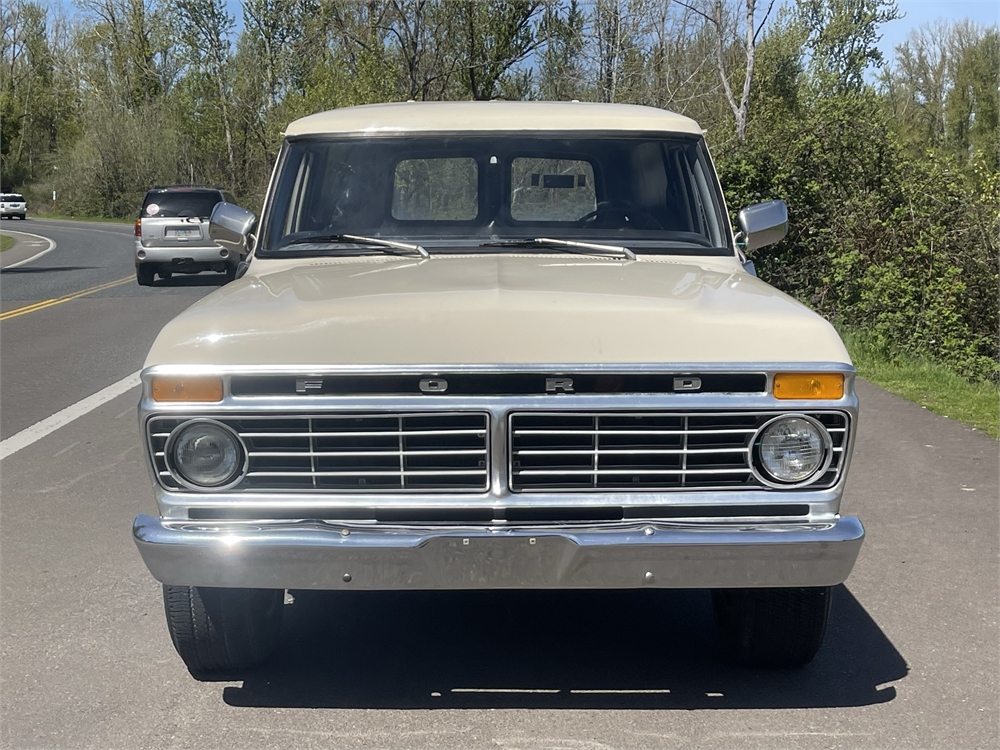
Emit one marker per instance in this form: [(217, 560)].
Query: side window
[(551, 189), (445, 189)]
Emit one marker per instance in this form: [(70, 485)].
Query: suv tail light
[(138, 227)]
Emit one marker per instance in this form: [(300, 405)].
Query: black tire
[(222, 631), (772, 628), (144, 274)]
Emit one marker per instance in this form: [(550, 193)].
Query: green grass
[(67, 217), (6, 242), (929, 384)]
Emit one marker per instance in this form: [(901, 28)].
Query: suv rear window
[(12, 198), (180, 203)]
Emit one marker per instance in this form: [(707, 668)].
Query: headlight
[(792, 450), (204, 454)]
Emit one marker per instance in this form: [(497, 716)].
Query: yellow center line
[(59, 300)]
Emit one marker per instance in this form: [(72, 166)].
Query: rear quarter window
[(551, 189), (439, 189)]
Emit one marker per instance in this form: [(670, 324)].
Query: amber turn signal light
[(809, 385), (169, 388)]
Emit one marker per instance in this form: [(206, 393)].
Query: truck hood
[(496, 309)]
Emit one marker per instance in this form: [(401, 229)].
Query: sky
[(919, 12)]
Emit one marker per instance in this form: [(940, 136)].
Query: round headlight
[(793, 449), (206, 454)]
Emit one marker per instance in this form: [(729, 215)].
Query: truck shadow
[(537, 649)]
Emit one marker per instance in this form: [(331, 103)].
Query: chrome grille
[(416, 452), (629, 451)]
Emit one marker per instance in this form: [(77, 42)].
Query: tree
[(561, 70), (270, 27), (130, 41), (618, 27), (972, 106), (31, 110), (206, 28), (843, 38), (495, 35), (735, 31)]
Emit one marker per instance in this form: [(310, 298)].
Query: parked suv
[(171, 234), (11, 205)]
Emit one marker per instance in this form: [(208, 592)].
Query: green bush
[(898, 246)]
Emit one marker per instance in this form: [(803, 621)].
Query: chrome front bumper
[(295, 555)]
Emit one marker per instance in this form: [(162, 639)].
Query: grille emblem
[(558, 385), (302, 385), (433, 385), (687, 384)]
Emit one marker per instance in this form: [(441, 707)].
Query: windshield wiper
[(355, 239), (549, 242)]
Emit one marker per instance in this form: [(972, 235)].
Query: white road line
[(37, 431), (51, 247)]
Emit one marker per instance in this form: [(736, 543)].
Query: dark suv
[(171, 234)]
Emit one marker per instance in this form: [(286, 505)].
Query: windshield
[(12, 198), (654, 194)]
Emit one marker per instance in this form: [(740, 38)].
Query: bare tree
[(207, 26), (735, 30), (618, 30)]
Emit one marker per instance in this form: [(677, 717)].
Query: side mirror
[(763, 224), (230, 225)]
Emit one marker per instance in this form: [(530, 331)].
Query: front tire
[(772, 628), (222, 631)]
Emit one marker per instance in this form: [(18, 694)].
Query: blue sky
[(919, 12)]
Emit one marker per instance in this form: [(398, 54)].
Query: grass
[(67, 217), (929, 384), (6, 242)]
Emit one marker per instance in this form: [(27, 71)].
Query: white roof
[(494, 116)]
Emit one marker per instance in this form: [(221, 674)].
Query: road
[(911, 658), (59, 354)]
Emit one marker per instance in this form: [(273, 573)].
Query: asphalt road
[(61, 353), (911, 659)]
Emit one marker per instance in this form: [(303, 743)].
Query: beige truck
[(496, 345)]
